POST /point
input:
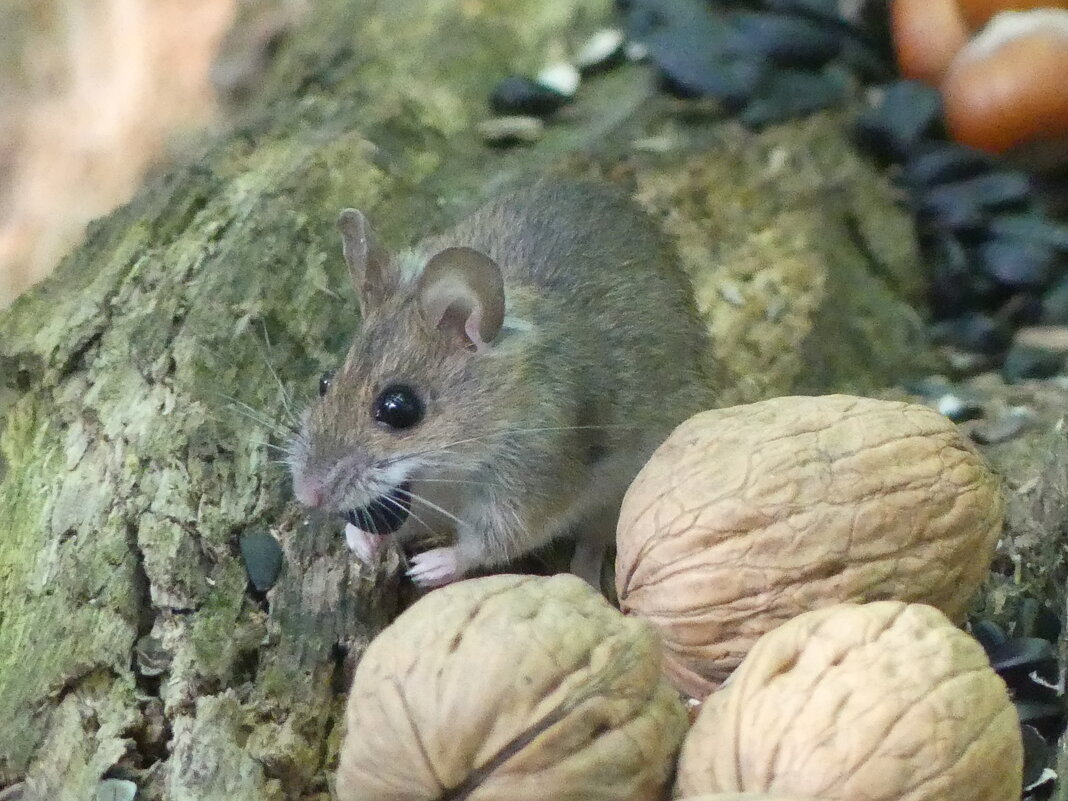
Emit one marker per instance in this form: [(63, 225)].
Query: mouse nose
[(308, 492)]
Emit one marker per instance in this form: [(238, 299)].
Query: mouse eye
[(397, 406), (324, 382)]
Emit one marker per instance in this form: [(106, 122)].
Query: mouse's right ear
[(461, 292), (368, 261)]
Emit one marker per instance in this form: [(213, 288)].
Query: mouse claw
[(365, 545), (435, 568)]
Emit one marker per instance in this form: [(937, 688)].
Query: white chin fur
[(377, 483)]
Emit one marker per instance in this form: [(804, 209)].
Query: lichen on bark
[(130, 466)]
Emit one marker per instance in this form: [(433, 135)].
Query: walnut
[(882, 701), (748, 516), (517, 687)]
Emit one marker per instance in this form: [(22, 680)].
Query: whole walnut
[(885, 701), (748, 516), (517, 687)]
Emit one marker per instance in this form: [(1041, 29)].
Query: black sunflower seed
[(785, 39), (941, 162), (262, 556), (1024, 362), (1037, 754), (519, 95), (989, 634), (971, 203), (1016, 262), (908, 113)]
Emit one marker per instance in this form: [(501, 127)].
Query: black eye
[(398, 407), (324, 382)]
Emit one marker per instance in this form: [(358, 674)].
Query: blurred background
[(94, 96)]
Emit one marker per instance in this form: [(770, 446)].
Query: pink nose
[(308, 493)]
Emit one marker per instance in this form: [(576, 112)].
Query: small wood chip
[(1049, 337)]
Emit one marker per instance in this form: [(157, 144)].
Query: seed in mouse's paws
[(435, 568), (385, 513), (365, 545)]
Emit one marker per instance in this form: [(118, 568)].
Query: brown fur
[(544, 430)]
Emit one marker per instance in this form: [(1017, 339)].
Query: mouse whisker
[(461, 483), (446, 449), (291, 419), (538, 429), (271, 446), (512, 431), (396, 504), (279, 427), (433, 451), (291, 415), (464, 468), (279, 458), (456, 481), (416, 497), (457, 471), (415, 517), (420, 456), (263, 423)]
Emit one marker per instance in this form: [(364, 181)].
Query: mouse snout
[(308, 491), (327, 481)]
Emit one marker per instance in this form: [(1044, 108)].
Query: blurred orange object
[(1008, 87), (977, 13), (927, 34)]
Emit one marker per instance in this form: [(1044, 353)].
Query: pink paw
[(435, 568), (365, 545)]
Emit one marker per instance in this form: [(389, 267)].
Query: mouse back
[(486, 350)]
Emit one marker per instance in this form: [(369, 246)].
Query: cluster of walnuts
[(796, 565)]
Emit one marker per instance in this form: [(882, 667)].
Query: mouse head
[(411, 398)]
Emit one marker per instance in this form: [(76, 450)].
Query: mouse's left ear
[(368, 262), (461, 292)]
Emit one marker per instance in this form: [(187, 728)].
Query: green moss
[(221, 630), (275, 681), (57, 586)]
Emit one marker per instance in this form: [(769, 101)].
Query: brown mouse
[(510, 378)]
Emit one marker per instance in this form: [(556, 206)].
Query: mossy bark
[(131, 644)]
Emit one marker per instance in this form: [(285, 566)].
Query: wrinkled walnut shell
[(749, 516), (516, 687), (884, 700)]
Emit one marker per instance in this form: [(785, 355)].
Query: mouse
[(509, 379)]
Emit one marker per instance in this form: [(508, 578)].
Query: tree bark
[(131, 642)]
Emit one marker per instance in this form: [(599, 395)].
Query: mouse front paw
[(363, 544), (435, 568)]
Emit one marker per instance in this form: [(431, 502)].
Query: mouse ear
[(368, 262), (462, 291)]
